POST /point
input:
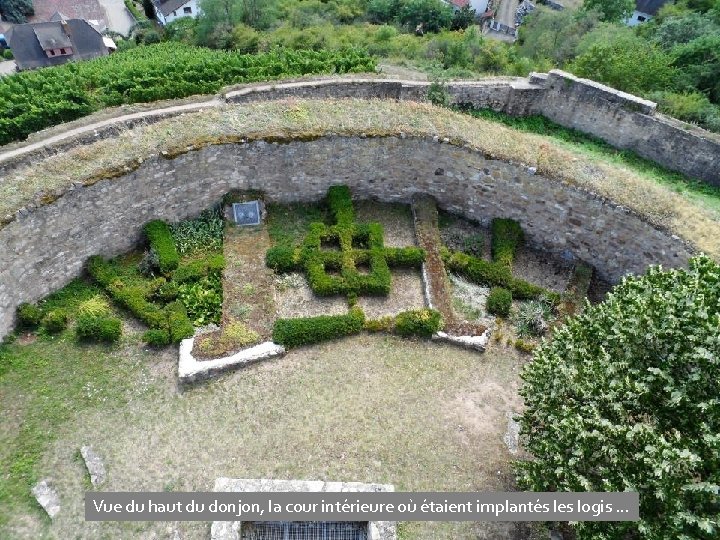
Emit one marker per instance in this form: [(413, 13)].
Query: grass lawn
[(371, 408)]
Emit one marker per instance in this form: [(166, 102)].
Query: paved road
[(506, 12), (117, 16)]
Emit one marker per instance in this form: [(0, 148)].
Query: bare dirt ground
[(374, 409)]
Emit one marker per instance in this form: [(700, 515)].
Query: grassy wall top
[(635, 189)]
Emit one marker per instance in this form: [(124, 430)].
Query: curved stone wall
[(44, 249)]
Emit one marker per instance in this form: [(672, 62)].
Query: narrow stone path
[(248, 289), (438, 292)]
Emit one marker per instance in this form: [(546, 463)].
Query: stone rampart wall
[(44, 249)]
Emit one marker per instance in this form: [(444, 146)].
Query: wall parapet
[(622, 120)]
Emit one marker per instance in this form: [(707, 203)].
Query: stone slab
[(47, 497), (94, 464)]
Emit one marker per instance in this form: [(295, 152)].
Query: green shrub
[(507, 235), (156, 338), (131, 297), (162, 243), (167, 292), (307, 330), (625, 397), (418, 322), (282, 259), (197, 269), (493, 274), (29, 315), (533, 318), (8, 54), (96, 306), (204, 233), (55, 321), (340, 202), (499, 302), (202, 299), (408, 257), (383, 324), (179, 325), (99, 328)]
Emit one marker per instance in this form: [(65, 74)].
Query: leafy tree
[(383, 11), (183, 30), (611, 10), (434, 15), (463, 18), (16, 11), (625, 398), (626, 62), (699, 62), (678, 30), (547, 33)]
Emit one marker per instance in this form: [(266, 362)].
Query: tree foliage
[(434, 15), (611, 10), (626, 397), (626, 62), (16, 11)]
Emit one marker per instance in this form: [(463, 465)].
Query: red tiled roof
[(460, 3)]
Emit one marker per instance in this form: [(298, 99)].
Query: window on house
[(62, 51), (52, 52), (187, 9)]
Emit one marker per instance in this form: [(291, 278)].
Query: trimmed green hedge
[(282, 259), (100, 328), (55, 321), (407, 257), (493, 274), (171, 321), (307, 330), (507, 236), (197, 269), (499, 301), (339, 271), (29, 315), (418, 322), (163, 244), (179, 324)]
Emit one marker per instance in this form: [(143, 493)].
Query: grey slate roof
[(26, 39), (167, 7), (650, 7)]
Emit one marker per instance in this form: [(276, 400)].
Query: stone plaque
[(247, 213)]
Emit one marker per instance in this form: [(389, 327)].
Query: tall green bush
[(624, 397)]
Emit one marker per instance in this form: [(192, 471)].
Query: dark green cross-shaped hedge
[(333, 256)]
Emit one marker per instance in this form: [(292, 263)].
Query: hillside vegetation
[(35, 100)]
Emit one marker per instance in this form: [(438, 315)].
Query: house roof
[(650, 7), (51, 35), (167, 7), (460, 3), (29, 41)]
